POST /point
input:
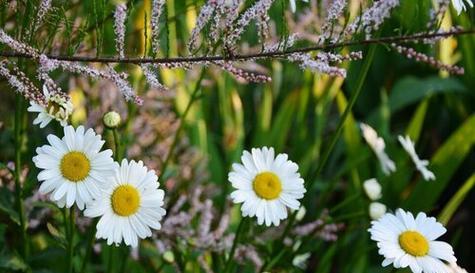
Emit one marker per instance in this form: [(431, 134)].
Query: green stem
[(17, 173), (91, 232), (274, 260), (109, 260), (345, 202), (69, 225), (193, 98), (117, 156), (235, 243), (359, 86), (125, 255)]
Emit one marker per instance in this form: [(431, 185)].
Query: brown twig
[(244, 57)]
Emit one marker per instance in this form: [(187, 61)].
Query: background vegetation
[(297, 113)]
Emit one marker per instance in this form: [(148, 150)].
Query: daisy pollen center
[(125, 200), (414, 243), (53, 107), (267, 185), (75, 166)]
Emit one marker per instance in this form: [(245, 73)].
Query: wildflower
[(157, 8), (421, 165), (405, 241), (168, 257), (377, 145), (266, 185), (373, 17), (130, 206), (376, 210), (293, 6), (111, 120), (372, 189), (120, 15), (74, 169), (301, 260), (43, 9), (455, 268), (205, 15), (57, 107), (460, 5)]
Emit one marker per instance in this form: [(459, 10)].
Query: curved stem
[(243, 57), (69, 226), (359, 86), (194, 96), (235, 243), (91, 232), (125, 255), (117, 155)]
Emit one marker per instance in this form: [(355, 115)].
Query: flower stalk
[(240, 230)]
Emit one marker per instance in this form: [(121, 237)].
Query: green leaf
[(415, 127), (283, 120), (58, 235), (410, 90), (456, 200), (7, 202), (444, 164), (13, 262), (326, 261)]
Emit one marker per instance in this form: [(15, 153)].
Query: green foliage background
[(297, 113)]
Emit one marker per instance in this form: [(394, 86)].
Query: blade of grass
[(456, 200)]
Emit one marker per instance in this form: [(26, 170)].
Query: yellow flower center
[(414, 243), (267, 185), (125, 200), (53, 107), (59, 107), (75, 166)]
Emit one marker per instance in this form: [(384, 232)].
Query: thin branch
[(244, 57)]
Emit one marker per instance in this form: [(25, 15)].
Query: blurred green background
[(296, 113)]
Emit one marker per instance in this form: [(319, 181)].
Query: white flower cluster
[(257, 11), (74, 170), (120, 15), (421, 165), (373, 190), (157, 7), (321, 64), (377, 145), (373, 17)]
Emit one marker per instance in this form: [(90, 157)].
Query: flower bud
[(169, 257), (376, 210), (372, 189), (111, 120), (301, 213)]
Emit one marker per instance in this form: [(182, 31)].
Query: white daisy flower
[(405, 241), (460, 5), (266, 185), (58, 108), (421, 165), (455, 268), (130, 206), (377, 145), (376, 210), (372, 189), (74, 168)]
